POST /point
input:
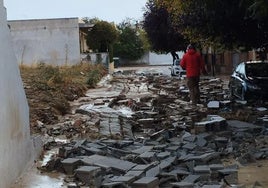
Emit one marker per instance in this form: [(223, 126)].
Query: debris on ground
[(142, 131)]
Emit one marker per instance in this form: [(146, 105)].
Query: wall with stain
[(16, 147), (50, 41)]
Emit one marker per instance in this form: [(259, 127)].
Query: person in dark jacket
[(194, 65)]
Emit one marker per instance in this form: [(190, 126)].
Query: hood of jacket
[(191, 51)]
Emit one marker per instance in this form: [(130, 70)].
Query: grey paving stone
[(109, 142), (172, 149), (148, 155), (108, 162), (124, 179), (92, 150), (160, 147), (230, 175), (153, 172), (79, 143), (182, 184), (180, 172), (261, 109), (205, 158), (165, 163), (221, 142), (200, 127), (146, 182), (164, 133), (146, 122), (213, 104), (142, 167), (200, 141), (95, 145), (70, 164), (190, 138), (184, 156), (114, 185), (202, 169), (243, 126), (163, 155), (136, 173), (90, 175), (65, 151), (190, 165), (216, 167), (175, 140), (142, 149), (191, 178), (153, 143), (213, 186), (212, 123), (189, 146)]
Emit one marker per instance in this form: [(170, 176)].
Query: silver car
[(249, 80)]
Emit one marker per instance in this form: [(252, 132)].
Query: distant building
[(52, 41)]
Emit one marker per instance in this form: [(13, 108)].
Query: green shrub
[(93, 78)]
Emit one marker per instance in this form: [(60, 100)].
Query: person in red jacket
[(194, 65)]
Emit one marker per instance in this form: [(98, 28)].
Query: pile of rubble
[(148, 135)]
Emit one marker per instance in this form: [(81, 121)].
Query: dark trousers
[(193, 85)]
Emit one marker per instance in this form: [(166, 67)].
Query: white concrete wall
[(15, 142), (153, 58), (52, 41), (162, 59)]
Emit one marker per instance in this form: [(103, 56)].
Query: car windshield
[(177, 62), (257, 69)]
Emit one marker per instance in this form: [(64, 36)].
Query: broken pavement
[(140, 131)]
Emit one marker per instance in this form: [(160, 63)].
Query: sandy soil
[(254, 175)]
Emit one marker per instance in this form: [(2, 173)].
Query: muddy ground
[(43, 112)]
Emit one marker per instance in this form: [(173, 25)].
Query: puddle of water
[(61, 140), (125, 111), (48, 156), (33, 178)]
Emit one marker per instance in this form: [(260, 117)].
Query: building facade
[(51, 41)]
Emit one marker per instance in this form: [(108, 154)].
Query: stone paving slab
[(108, 162), (146, 182)]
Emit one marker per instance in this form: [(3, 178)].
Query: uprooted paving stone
[(161, 161), (148, 135)]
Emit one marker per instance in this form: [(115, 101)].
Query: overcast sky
[(107, 10)]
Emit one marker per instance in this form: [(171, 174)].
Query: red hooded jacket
[(193, 63)]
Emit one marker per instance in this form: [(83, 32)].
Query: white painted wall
[(52, 41), (15, 142), (153, 58), (162, 59)]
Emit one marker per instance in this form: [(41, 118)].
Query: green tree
[(90, 20), (258, 9), (101, 38), (163, 35), (230, 23), (130, 44)]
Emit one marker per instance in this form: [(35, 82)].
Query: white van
[(176, 69)]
